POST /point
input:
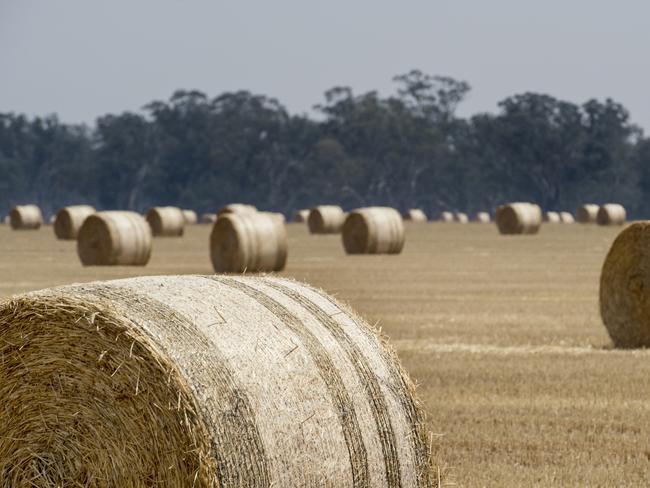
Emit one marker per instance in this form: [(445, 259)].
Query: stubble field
[(502, 334)]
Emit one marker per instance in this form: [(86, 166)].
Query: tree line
[(406, 150)]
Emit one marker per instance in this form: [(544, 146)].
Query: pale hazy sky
[(84, 58)]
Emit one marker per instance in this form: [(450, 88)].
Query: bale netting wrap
[(205, 381), (373, 230), (237, 208), (587, 213), (114, 238), (446, 217), (482, 218), (208, 218), (25, 217), (301, 215), (68, 220), (326, 219), (519, 218), (625, 287), (248, 242), (415, 215), (551, 217), (611, 214), (166, 221), (190, 217), (566, 218), (461, 218)]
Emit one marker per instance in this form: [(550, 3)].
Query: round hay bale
[(25, 217), (625, 287), (373, 230), (166, 221), (114, 238), (6, 220), (519, 218), (587, 213), (237, 208), (446, 217), (203, 381), (482, 218), (611, 214), (301, 215), (190, 217), (566, 218), (51, 220), (461, 218), (415, 215), (552, 217), (68, 220), (248, 242), (208, 218), (326, 219)]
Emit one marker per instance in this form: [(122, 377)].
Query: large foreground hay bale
[(114, 238), (461, 218), (373, 230), (242, 242), (519, 218), (208, 218), (611, 214), (68, 220), (190, 217), (26, 217), (566, 218), (482, 218), (204, 381), (625, 287), (237, 208), (166, 221), (326, 219), (446, 217), (301, 215), (415, 215), (551, 217), (587, 213)]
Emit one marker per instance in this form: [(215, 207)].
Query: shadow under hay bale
[(69, 220), (519, 218), (203, 381), (166, 221), (611, 214), (373, 230), (326, 219), (25, 217)]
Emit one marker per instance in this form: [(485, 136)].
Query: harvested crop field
[(502, 333)]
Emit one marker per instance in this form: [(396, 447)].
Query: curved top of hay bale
[(203, 381), (25, 217), (519, 218), (566, 218), (68, 220), (461, 218), (373, 230), (301, 215), (611, 214), (415, 215), (190, 216), (446, 217), (551, 217), (237, 208), (166, 221), (587, 213), (482, 217), (326, 219), (625, 287)]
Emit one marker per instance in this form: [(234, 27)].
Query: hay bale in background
[(51, 220), (208, 218), (114, 238), (415, 215), (566, 218), (611, 214), (237, 208), (625, 287), (326, 219), (552, 217), (373, 230), (461, 218), (242, 242), (446, 217), (190, 217), (6, 220), (482, 218), (69, 219), (519, 218), (203, 381), (301, 215), (26, 217), (587, 213), (166, 221)]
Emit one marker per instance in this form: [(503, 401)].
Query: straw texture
[(566, 218), (242, 242), (114, 238), (237, 208), (611, 214), (166, 221), (190, 217), (208, 218), (552, 217), (519, 218), (482, 218), (625, 288), (68, 220), (415, 215), (301, 215), (326, 219), (373, 230), (587, 213), (204, 381), (25, 217), (461, 218)]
